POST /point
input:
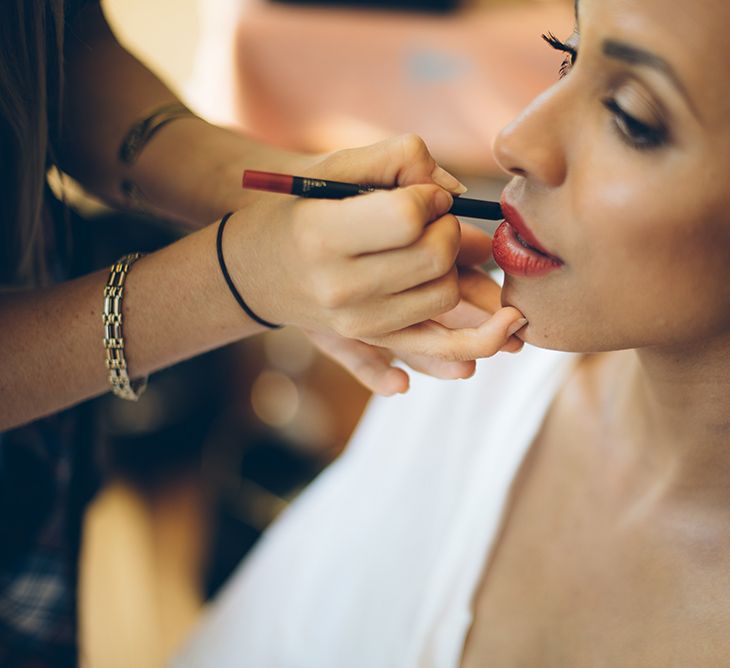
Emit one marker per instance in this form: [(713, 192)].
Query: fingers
[(375, 222), (429, 258), (418, 304), (463, 316), (394, 312), (479, 288), (476, 246), (370, 365), (435, 340), (438, 368)]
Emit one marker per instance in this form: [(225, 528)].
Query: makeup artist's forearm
[(190, 170), (176, 305)]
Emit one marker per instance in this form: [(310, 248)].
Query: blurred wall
[(163, 33)]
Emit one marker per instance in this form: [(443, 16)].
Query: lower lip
[(516, 259)]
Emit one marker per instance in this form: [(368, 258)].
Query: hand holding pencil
[(374, 273)]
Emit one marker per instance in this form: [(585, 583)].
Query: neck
[(677, 410)]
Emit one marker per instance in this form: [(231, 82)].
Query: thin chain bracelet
[(113, 335)]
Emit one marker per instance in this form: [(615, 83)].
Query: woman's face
[(622, 171)]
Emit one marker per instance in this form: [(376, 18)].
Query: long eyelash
[(559, 45)]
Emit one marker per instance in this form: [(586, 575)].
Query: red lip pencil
[(321, 189)]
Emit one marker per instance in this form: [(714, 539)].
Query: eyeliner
[(303, 186)]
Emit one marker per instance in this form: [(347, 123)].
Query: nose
[(533, 145)]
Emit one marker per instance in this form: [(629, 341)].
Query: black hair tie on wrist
[(229, 281)]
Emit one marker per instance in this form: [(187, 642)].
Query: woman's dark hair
[(31, 81)]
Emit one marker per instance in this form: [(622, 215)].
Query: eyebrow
[(633, 55)]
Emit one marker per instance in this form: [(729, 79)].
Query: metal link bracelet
[(122, 386)]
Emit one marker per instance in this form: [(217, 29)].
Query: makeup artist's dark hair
[(31, 81)]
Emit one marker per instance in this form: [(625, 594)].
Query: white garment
[(376, 564)]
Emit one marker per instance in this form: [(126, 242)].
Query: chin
[(574, 334), (542, 337), (553, 323)]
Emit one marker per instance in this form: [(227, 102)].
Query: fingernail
[(443, 200), (516, 326), (441, 177)]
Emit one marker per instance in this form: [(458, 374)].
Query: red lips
[(516, 249)]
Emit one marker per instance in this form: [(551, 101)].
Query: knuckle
[(332, 294), (452, 299), (448, 294), (453, 230), (453, 239), (407, 208), (408, 218), (439, 260), (413, 145), (441, 251)]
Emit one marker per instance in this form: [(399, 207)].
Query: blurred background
[(184, 481)]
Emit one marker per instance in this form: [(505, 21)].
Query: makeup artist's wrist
[(247, 256)]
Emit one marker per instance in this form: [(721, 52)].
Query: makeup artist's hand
[(372, 272), (481, 296)]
